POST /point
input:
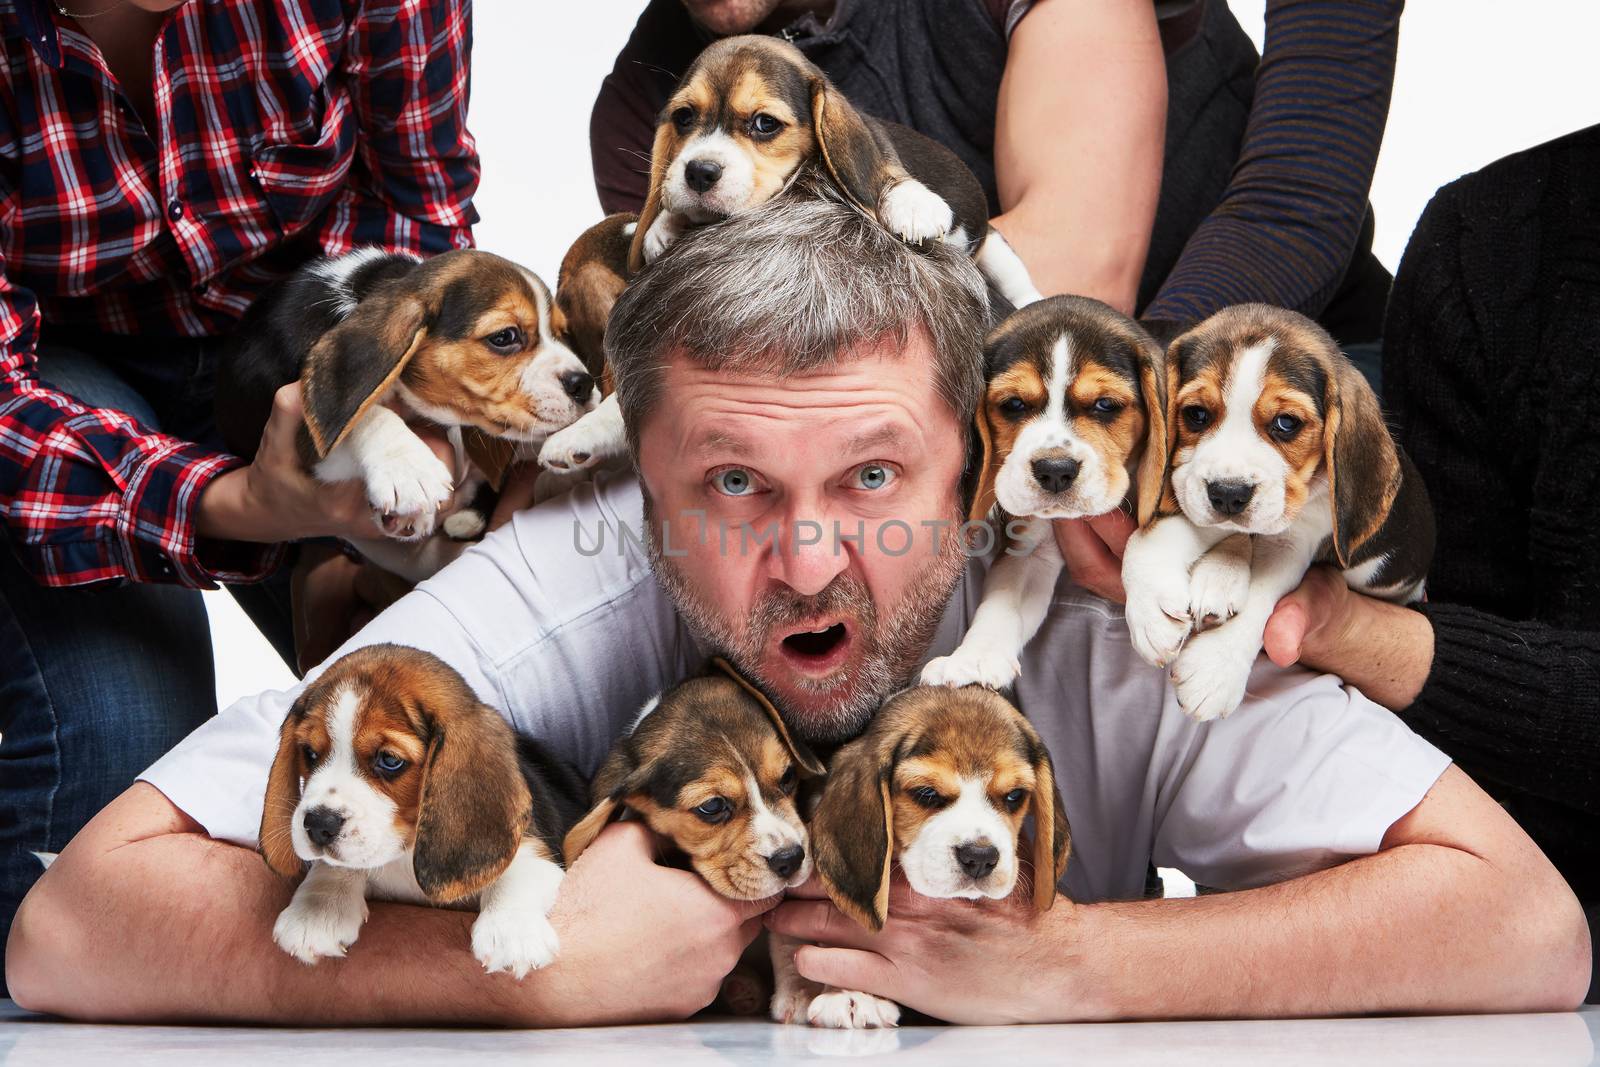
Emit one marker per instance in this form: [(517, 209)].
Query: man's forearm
[(172, 926), (1383, 649), (1423, 926)]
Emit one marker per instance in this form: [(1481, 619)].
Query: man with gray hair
[(797, 386)]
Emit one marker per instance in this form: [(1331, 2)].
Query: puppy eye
[(764, 125), (683, 118), (1013, 406), (873, 476), (1284, 427), (927, 796), (388, 763), (787, 782), (309, 753), (1105, 406), (1196, 418), (715, 810), (506, 340), (1013, 800), (734, 481)]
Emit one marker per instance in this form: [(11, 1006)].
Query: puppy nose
[(977, 860), (322, 825), (701, 174), (786, 861), (577, 384), (1229, 498), (1054, 475)]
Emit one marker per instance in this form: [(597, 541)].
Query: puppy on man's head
[(1072, 424), (1280, 459)]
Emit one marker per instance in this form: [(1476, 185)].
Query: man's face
[(830, 539), (728, 17)]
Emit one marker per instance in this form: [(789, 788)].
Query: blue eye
[(1283, 427), (310, 754), (388, 763), (1106, 406), (927, 796), (1013, 406), (873, 476), (735, 481), (715, 810), (1015, 798), (764, 125)]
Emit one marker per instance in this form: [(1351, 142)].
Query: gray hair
[(785, 290)]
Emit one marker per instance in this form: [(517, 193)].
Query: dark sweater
[(1492, 373)]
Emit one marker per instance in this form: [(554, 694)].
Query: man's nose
[(808, 556)]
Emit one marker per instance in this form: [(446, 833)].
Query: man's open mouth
[(817, 650)]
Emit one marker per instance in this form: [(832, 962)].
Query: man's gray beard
[(894, 645)]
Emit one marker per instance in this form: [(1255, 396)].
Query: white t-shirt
[(569, 642)]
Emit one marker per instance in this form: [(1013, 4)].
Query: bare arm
[(180, 930), (1078, 145), (1458, 912)]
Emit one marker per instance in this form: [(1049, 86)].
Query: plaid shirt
[(287, 129)]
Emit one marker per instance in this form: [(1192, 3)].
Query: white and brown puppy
[(394, 782), (1072, 424), (752, 111), (465, 340), (940, 783), (1277, 437)]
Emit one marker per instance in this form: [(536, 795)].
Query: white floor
[(1525, 1040)]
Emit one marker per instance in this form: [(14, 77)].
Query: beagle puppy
[(593, 274), (465, 340), (394, 782), (748, 117), (1072, 424), (940, 783), (1280, 459)]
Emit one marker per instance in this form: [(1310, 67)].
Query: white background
[(1476, 80)]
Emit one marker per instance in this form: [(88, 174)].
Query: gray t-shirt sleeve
[(1306, 774), (566, 634)]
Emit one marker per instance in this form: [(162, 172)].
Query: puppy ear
[(1157, 441), (283, 796), (475, 806), (354, 363), (1363, 466), (852, 155), (1052, 837), (810, 766), (659, 161), (852, 834), (983, 498), (609, 787)]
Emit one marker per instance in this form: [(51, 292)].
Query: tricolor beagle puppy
[(939, 783), (750, 114), (593, 274), (1072, 424), (394, 782), (1280, 459), (465, 340)]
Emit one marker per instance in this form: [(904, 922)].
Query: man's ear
[(275, 840), (1052, 837), (855, 162), (354, 364), (1157, 442), (983, 498), (475, 806), (852, 834), (659, 161), (1363, 466), (810, 766)]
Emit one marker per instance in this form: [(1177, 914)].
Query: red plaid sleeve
[(88, 494), (408, 68)]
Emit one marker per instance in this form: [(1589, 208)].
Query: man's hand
[(1093, 551), (276, 499), (331, 596), (957, 960), (640, 942)]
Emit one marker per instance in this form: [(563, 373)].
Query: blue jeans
[(97, 682)]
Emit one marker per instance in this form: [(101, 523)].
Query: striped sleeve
[(1287, 225)]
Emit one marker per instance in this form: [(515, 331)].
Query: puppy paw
[(468, 524), (1157, 613), (407, 486), (845, 1009), (792, 1005), (1212, 671), (1218, 586), (660, 236), (580, 446), (973, 665), (326, 926), (514, 941), (915, 213)]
